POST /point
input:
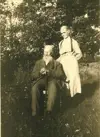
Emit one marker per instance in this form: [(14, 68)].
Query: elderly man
[(46, 73)]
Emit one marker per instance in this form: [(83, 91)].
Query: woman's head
[(65, 31)]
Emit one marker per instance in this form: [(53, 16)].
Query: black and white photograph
[(50, 68)]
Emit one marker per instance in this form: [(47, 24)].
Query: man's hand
[(43, 71)]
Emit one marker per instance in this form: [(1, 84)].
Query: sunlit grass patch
[(89, 72)]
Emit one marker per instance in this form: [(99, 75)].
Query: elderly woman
[(70, 53)]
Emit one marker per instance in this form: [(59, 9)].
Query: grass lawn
[(78, 117)]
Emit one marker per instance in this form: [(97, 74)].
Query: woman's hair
[(68, 28), (65, 27)]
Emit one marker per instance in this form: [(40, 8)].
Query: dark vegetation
[(24, 30)]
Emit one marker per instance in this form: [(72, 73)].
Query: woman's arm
[(77, 51)]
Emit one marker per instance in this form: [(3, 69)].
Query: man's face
[(65, 32), (47, 52)]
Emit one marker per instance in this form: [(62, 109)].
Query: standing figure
[(46, 74), (70, 53)]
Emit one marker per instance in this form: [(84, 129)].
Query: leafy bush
[(26, 27)]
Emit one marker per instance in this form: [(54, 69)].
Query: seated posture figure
[(46, 74)]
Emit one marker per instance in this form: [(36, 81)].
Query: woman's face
[(65, 33)]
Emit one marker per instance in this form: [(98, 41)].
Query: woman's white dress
[(70, 53)]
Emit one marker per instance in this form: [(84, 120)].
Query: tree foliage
[(26, 27)]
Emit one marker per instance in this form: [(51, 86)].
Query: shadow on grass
[(88, 90), (64, 102), (19, 122)]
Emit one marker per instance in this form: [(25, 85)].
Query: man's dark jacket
[(54, 67)]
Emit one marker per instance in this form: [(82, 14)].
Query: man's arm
[(36, 71), (57, 72)]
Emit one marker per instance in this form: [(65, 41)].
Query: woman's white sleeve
[(77, 50)]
